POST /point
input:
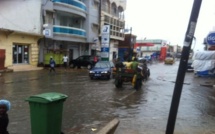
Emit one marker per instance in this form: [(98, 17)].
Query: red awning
[(143, 45)]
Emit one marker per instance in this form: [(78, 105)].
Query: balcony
[(69, 34), (71, 6)]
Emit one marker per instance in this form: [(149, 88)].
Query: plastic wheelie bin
[(46, 112)]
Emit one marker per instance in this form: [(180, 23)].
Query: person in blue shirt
[(52, 65)]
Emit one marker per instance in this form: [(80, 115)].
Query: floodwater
[(93, 103)]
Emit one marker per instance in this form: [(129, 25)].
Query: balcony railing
[(69, 31), (73, 3)]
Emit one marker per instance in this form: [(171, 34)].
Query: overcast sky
[(168, 19)]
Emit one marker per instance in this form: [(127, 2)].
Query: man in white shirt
[(65, 60)]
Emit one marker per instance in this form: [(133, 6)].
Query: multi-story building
[(32, 29), (70, 27), (20, 30), (112, 13)]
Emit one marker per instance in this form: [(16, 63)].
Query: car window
[(108, 64), (101, 65), (111, 64), (91, 58), (86, 58), (80, 58)]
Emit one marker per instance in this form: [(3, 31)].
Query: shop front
[(19, 48), (20, 54)]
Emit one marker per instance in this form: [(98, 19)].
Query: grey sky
[(168, 19)]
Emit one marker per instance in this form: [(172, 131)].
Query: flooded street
[(93, 103)]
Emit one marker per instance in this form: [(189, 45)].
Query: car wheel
[(118, 83), (89, 66), (148, 73), (72, 65), (108, 77)]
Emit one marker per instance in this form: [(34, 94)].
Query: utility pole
[(99, 24), (99, 16), (182, 66)]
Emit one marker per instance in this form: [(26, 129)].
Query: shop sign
[(211, 39)]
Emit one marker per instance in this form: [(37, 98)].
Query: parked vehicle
[(169, 60), (178, 55), (148, 59), (102, 69), (84, 61), (189, 65)]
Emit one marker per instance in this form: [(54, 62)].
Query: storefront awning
[(143, 45)]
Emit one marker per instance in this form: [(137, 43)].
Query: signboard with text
[(211, 39), (105, 42)]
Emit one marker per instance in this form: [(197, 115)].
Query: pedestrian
[(52, 65), (4, 120), (139, 77), (134, 64), (119, 63), (95, 59), (65, 61)]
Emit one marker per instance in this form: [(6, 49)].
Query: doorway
[(20, 54), (114, 55), (70, 54)]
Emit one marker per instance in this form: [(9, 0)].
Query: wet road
[(93, 103)]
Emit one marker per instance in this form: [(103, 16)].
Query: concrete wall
[(21, 15), (7, 40), (91, 21), (113, 48)]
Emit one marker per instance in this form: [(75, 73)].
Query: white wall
[(92, 19), (21, 15)]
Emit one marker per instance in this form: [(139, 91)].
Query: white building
[(33, 30), (20, 30), (71, 28), (112, 13)]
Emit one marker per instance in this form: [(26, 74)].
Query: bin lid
[(47, 97)]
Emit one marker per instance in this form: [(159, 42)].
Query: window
[(96, 4), (49, 18)]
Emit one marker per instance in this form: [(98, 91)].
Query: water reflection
[(93, 103)]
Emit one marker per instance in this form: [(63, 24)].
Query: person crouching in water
[(4, 120)]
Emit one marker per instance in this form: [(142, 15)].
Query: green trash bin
[(46, 112)]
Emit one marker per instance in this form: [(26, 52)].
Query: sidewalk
[(19, 68)]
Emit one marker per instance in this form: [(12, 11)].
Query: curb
[(6, 70), (110, 127), (206, 85)]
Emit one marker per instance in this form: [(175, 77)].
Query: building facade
[(149, 49), (70, 27), (112, 13), (33, 31), (20, 30)]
